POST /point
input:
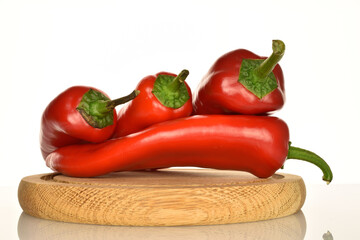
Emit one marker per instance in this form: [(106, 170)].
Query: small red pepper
[(256, 144), (242, 82), (163, 96), (79, 114)]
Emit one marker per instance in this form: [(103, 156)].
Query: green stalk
[(175, 84), (101, 107), (113, 103), (171, 91), (308, 156), (269, 64)]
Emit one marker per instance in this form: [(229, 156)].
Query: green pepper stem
[(101, 107), (306, 155), (113, 103), (269, 64), (175, 84)]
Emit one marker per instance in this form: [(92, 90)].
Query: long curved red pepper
[(256, 144), (163, 96), (242, 82), (79, 114)]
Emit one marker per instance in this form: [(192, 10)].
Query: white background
[(48, 46)]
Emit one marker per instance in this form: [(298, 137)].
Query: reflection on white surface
[(328, 236), (290, 228)]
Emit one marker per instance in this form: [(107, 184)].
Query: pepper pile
[(225, 124)]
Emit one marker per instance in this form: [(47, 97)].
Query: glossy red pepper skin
[(219, 92), (257, 144), (63, 125), (146, 110)]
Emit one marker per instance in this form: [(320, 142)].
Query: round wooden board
[(168, 197)]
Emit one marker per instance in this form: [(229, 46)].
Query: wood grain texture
[(162, 198)]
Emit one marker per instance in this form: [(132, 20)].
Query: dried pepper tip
[(278, 47)]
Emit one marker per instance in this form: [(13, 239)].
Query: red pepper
[(79, 114), (242, 82), (163, 96), (256, 144)]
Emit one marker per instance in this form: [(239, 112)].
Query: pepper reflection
[(291, 227), (328, 236)]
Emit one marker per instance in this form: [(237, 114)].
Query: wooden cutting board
[(168, 197)]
